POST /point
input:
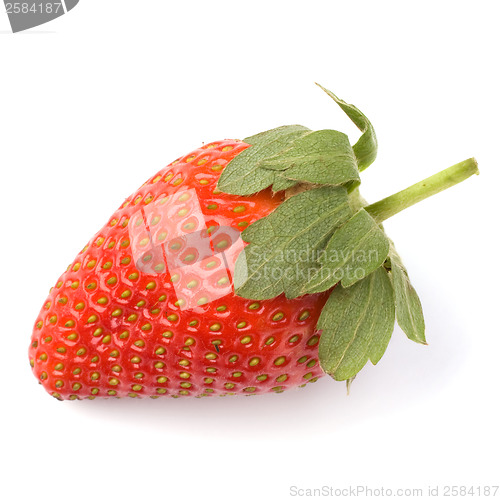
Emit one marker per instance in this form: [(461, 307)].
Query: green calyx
[(325, 237)]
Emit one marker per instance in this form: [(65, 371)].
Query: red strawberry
[(163, 301), (111, 328)]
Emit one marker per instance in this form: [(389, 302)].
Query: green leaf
[(408, 307), (281, 183), (355, 250), (366, 147), (357, 324), (285, 245), (321, 157), (243, 175)]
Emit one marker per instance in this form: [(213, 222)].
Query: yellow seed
[(304, 315), (313, 340), (113, 381), (261, 378), (184, 375), (280, 360), (135, 359), (254, 361), (246, 340), (211, 355), (160, 351)]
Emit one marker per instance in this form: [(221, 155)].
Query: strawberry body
[(122, 322)]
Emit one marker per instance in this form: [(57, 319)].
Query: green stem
[(383, 209)]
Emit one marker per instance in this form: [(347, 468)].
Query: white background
[(95, 102)]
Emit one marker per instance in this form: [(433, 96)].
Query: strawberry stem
[(383, 209)]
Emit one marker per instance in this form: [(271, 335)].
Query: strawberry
[(243, 267)]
